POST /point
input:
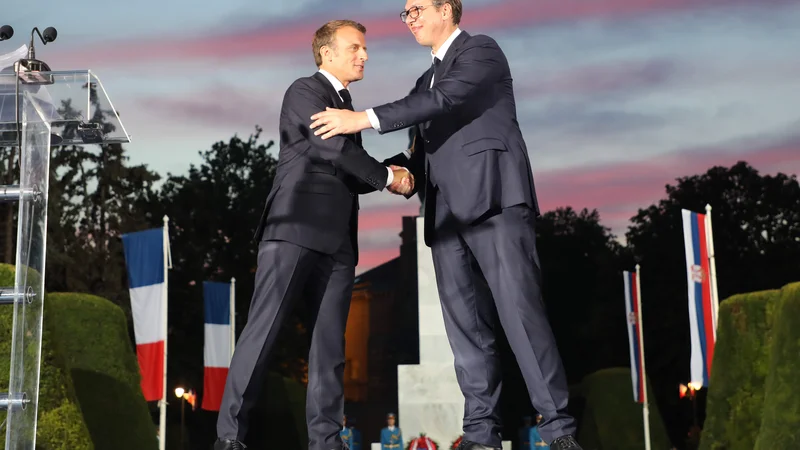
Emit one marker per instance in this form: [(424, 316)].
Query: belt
[(391, 445)]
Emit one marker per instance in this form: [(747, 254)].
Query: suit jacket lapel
[(337, 102), (449, 56)]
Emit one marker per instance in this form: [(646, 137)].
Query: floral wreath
[(421, 441), (456, 443)]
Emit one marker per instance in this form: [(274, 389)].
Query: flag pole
[(233, 315), (712, 267), (162, 427), (645, 410)]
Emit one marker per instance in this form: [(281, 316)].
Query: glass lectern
[(40, 111)]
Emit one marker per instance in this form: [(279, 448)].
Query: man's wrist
[(372, 120), (390, 178)]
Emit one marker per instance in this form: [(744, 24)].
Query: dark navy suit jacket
[(469, 145), (314, 198)]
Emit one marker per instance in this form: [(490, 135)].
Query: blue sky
[(615, 98)]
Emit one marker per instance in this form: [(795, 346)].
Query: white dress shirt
[(339, 86)]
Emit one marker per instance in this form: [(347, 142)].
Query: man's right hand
[(403, 182)]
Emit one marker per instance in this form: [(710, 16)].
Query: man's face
[(390, 421), (347, 56), (424, 21)]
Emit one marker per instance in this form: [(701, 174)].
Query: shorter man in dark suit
[(308, 245)]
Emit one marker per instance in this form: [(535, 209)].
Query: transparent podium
[(40, 111)]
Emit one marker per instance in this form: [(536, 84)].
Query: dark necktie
[(347, 99), (348, 104), (434, 68)]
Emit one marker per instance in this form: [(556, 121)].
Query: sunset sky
[(616, 98)]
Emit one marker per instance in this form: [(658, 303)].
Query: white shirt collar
[(334, 81), (443, 49)]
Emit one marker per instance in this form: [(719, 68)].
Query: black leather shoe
[(565, 443), (229, 444), (469, 445)]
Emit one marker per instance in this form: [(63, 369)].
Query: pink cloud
[(370, 258), (618, 190), (215, 105), (293, 37), (623, 76), (379, 217)]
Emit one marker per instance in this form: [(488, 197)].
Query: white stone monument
[(429, 399)]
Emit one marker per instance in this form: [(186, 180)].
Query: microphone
[(6, 32), (31, 65)]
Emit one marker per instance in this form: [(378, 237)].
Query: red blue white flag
[(632, 305)]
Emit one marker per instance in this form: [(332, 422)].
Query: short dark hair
[(455, 5), (325, 34)]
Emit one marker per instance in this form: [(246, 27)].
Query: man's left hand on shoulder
[(333, 122)]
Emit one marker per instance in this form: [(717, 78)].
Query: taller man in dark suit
[(308, 245), (480, 212)]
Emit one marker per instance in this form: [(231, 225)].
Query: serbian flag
[(632, 304), (702, 314), (218, 349), (144, 257)]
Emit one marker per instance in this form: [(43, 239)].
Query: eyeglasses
[(412, 12)]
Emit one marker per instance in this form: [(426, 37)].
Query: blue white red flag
[(702, 306), (144, 258), (217, 350)]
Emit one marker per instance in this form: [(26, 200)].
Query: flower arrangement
[(422, 442)]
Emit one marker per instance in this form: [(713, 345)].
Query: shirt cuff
[(373, 120), (390, 178)]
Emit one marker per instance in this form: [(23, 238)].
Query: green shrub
[(89, 391), (611, 419), (739, 371), (780, 422), (92, 338), (60, 421)]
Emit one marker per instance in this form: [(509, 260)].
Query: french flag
[(218, 299), (632, 311), (145, 258), (702, 293)]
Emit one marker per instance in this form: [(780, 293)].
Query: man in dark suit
[(308, 244), (480, 212)]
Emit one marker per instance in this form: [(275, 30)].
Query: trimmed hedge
[(780, 424), (89, 394), (92, 337), (740, 367), (60, 420), (611, 419)]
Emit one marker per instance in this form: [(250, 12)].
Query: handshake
[(403, 182)]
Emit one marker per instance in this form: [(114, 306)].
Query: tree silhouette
[(92, 202)]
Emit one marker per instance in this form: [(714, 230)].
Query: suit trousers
[(287, 272), (491, 264)]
